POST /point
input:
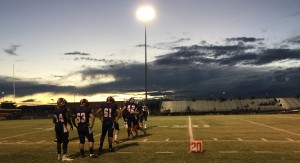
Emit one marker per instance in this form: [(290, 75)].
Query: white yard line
[(278, 129), (27, 133), (190, 129)]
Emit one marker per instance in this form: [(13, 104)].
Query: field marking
[(278, 129), (145, 139), (124, 152), (47, 129), (190, 129), (164, 152), (20, 142), (206, 126), (240, 139), (168, 139), (149, 141), (296, 151), (41, 141), (289, 139), (229, 151), (263, 152), (162, 126), (263, 139)]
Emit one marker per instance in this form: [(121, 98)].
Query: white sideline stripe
[(206, 126), (229, 152), (271, 127), (290, 139), (165, 152), (240, 139), (195, 125), (215, 139), (167, 139), (190, 129), (263, 139), (263, 152)]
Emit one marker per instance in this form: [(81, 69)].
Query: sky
[(195, 49)]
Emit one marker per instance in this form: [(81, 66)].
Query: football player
[(129, 112), (85, 123), (144, 115), (108, 116), (61, 119)]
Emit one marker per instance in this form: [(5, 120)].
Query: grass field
[(227, 138)]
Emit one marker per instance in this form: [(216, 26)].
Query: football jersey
[(60, 116), (82, 115), (109, 111)]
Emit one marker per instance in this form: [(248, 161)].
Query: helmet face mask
[(84, 102), (61, 102)]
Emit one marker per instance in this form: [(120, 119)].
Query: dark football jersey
[(109, 111), (82, 115), (60, 117)]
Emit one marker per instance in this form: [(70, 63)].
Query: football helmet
[(110, 99), (131, 99), (61, 102), (84, 102)]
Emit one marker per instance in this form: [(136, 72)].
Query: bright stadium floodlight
[(145, 14)]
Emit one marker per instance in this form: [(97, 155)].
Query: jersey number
[(59, 118), (81, 117), (107, 112)]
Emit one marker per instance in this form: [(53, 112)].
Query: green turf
[(226, 138)]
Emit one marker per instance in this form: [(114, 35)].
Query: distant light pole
[(3, 96), (145, 14)]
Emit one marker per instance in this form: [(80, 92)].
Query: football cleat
[(59, 157), (93, 156), (65, 158)]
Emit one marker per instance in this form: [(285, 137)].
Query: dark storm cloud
[(24, 88), (244, 39), (29, 100), (294, 40), (76, 53), (196, 71), (12, 50)]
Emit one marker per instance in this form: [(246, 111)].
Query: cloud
[(294, 40), (244, 39), (12, 50), (197, 71), (29, 100), (76, 53)]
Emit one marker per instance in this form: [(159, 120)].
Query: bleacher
[(231, 106)]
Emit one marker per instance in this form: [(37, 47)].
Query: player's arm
[(69, 117), (92, 120), (73, 120), (98, 114)]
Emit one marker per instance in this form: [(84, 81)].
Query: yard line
[(125, 152), (164, 152), (41, 141), (263, 152), (190, 129), (215, 139), (206, 126), (240, 139), (23, 141), (167, 139), (47, 129), (145, 139), (271, 127), (290, 139), (263, 139), (229, 152)]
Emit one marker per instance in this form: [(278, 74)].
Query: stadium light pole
[(145, 14), (3, 97)]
